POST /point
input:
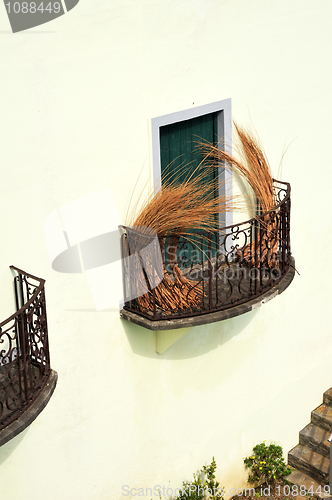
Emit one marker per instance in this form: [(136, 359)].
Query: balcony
[(208, 277), (26, 379)]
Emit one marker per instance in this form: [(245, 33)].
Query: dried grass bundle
[(255, 169), (178, 208), (253, 165), (173, 211)]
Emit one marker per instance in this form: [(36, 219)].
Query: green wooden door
[(177, 146), (180, 159)]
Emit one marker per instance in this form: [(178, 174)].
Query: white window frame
[(224, 132)]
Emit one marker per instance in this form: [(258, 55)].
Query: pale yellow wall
[(76, 98)]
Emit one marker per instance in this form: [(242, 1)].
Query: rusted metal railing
[(24, 351), (207, 272)]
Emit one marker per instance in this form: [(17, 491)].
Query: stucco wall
[(76, 98)]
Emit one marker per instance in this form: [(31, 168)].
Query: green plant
[(204, 485), (212, 486), (266, 464)]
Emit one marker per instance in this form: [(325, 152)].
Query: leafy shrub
[(266, 464), (203, 486)]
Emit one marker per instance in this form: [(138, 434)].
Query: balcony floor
[(31, 413), (241, 291)]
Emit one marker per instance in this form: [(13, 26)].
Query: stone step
[(327, 398), (316, 438), (311, 463), (322, 416), (312, 486)]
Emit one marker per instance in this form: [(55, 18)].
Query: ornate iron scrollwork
[(24, 351), (209, 272)]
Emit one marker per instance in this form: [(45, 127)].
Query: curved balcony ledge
[(212, 317), (26, 379), (183, 280), (32, 412)]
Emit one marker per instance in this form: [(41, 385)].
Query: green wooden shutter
[(179, 155), (177, 146)]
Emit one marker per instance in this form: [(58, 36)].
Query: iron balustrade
[(24, 350), (205, 272)]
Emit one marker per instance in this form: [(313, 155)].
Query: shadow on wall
[(196, 341), (7, 449)]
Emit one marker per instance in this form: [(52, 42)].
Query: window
[(174, 137)]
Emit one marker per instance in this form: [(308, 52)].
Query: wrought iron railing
[(206, 272), (24, 351)]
